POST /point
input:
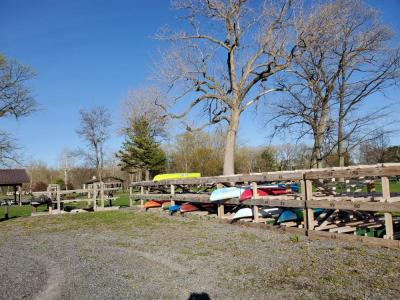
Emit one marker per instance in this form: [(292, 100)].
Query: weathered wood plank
[(370, 241), (354, 171), (388, 215), (366, 206), (274, 201), (240, 178)]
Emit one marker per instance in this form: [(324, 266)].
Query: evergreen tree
[(140, 151)]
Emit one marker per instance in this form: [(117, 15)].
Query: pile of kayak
[(243, 193)]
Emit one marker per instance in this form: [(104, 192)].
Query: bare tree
[(94, 127), (344, 61), (141, 103), (222, 64), (7, 149), (310, 83), (367, 66), (16, 100), (66, 163), (374, 151)]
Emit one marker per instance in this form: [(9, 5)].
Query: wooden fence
[(317, 190), (94, 194)]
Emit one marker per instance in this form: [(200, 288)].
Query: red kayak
[(188, 207), (273, 191)]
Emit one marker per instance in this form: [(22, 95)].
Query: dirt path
[(126, 255)]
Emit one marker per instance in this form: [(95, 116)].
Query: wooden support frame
[(388, 215), (307, 200), (130, 196), (102, 194), (172, 194), (308, 212), (94, 196), (58, 199), (141, 199), (220, 208), (255, 207)]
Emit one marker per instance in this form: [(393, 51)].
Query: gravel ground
[(137, 255)]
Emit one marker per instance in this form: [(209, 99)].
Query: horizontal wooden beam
[(354, 171), (279, 201), (195, 198), (390, 169), (349, 205), (240, 178), (370, 241), (275, 201)]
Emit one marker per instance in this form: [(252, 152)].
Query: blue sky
[(92, 52)]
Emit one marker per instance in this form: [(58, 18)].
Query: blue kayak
[(295, 187), (296, 214), (173, 209)]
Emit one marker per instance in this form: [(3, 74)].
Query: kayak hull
[(188, 207), (152, 204), (173, 208), (248, 213), (247, 194), (226, 193), (175, 176)]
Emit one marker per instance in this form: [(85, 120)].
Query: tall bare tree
[(345, 60), (16, 100), (94, 130), (221, 61), (367, 65), (310, 83)]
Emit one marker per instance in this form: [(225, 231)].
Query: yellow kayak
[(174, 176)]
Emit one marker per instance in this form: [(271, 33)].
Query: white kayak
[(226, 193), (247, 212), (234, 192)]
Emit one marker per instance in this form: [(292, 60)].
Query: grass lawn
[(15, 211)]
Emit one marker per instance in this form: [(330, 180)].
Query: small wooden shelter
[(109, 182), (14, 178)]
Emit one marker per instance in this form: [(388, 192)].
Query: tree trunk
[(341, 120), (340, 137), (317, 160), (230, 143)]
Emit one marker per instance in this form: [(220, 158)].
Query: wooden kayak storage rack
[(318, 189)]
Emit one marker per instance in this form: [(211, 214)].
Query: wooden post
[(147, 175), (6, 212), (255, 207), (141, 199), (306, 190), (19, 195), (388, 215), (102, 194), (15, 193), (221, 208), (172, 194), (58, 199), (94, 186), (130, 196)]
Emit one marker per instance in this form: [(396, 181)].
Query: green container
[(361, 231), (380, 232)]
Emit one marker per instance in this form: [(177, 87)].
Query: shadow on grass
[(10, 218)]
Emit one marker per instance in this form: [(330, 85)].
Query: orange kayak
[(152, 204)]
